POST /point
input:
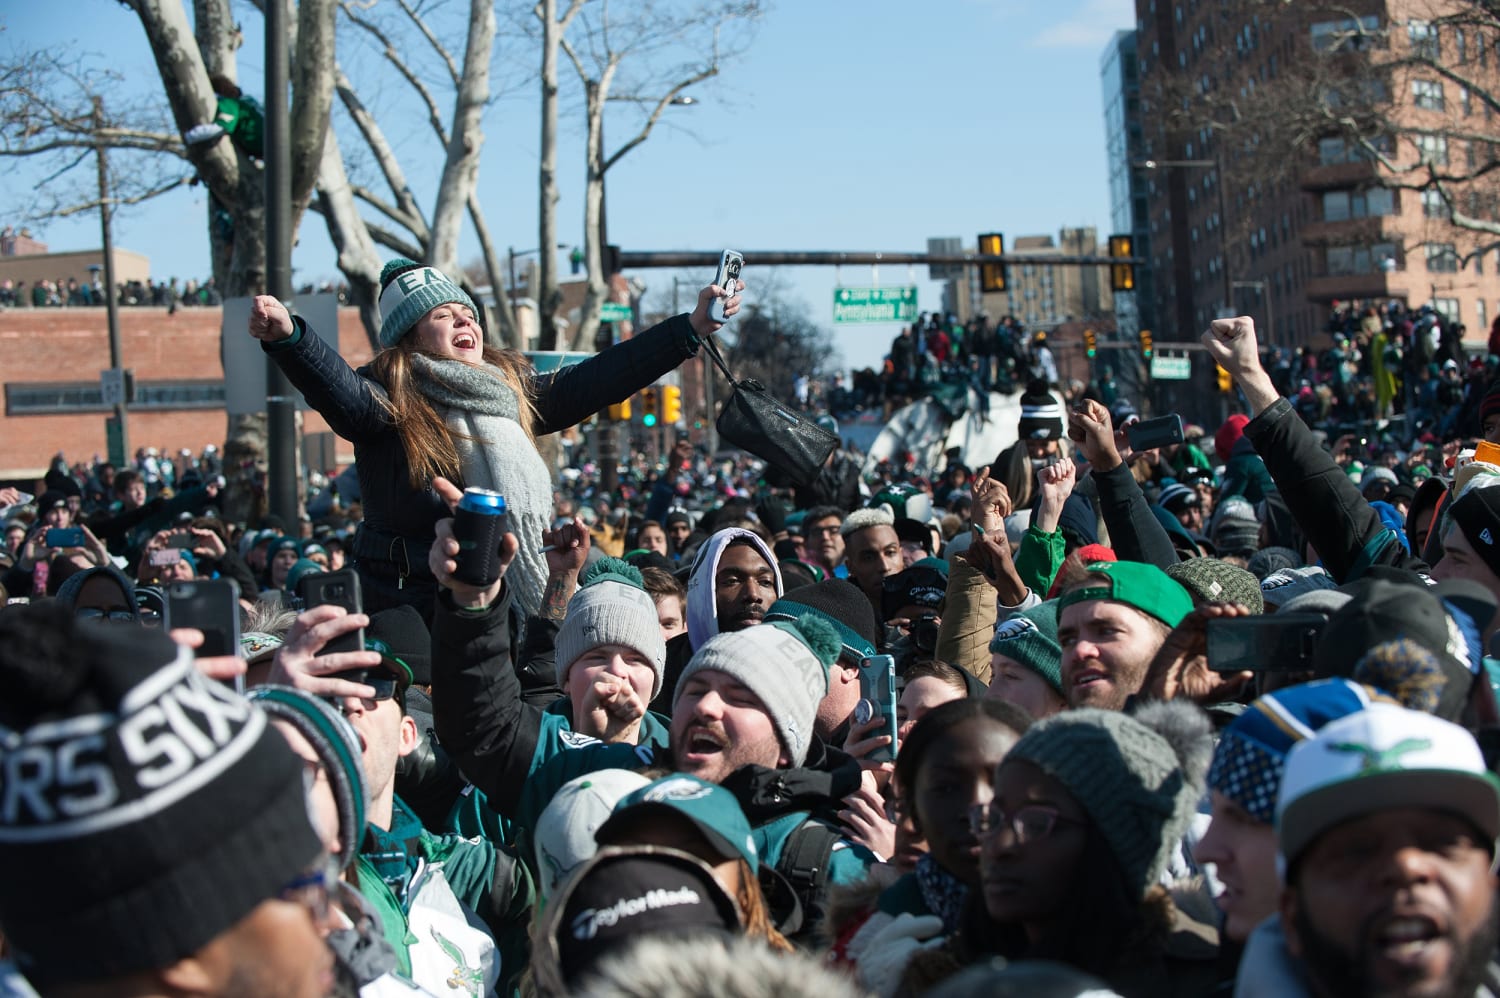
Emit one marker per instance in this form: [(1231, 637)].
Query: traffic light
[(648, 407), (1146, 343), (620, 413), (1090, 343), (992, 275), (671, 403), (1226, 380), (1121, 275)]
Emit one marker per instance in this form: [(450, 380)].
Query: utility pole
[(111, 307), (281, 411)]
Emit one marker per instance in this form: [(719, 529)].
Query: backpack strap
[(805, 864)]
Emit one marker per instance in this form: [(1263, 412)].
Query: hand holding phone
[(65, 537), (339, 588), (1150, 434), (208, 605), (728, 278)]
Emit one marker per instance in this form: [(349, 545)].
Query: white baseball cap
[(564, 834), (1381, 758)]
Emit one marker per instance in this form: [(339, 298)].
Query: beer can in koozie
[(479, 524)]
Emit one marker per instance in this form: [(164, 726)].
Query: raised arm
[(1134, 531), (353, 405), (568, 396)]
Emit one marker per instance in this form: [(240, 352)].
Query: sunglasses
[(95, 613)]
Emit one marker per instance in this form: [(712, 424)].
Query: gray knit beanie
[(611, 608), (1139, 777), (1210, 580), (337, 745), (409, 291), (784, 663)]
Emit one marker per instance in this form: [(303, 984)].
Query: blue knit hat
[(1251, 753), (409, 291)]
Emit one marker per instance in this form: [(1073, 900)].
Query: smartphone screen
[(877, 684)]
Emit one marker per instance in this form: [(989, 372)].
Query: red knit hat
[(1229, 434)]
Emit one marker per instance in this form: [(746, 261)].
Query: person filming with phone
[(438, 401)]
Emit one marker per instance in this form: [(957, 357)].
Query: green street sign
[(875, 304), (1164, 368), (613, 311)]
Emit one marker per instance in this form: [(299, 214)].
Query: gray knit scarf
[(481, 409)]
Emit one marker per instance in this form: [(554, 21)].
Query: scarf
[(942, 892), (494, 452)]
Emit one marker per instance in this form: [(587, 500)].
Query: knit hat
[(1383, 757), (1416, 678), (337, 745), (1144, 587), (1377, 474), (1210, 580), (50, 500), (400, 635), (1041, 413), (1273, 559), (409, 291), (840, 603), (1236, 530), (611, 608), (784, 663), (1229, 434), (1138, 776), (1030, 639), (564, 833), (862, 519), (711, 809), (1490, 404), (1175, 498), (1281, 587), (924, 583), (903, 500), (1252, 750), (303, 568), (159, 849)]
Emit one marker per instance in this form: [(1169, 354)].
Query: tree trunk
[(461, 170), (593, 217), (547, 294)]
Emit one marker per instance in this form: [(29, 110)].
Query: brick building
[(50, 359), (1334, 228)]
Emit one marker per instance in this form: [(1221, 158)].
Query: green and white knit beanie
[(785, 664), (612, 607), (409, 291)]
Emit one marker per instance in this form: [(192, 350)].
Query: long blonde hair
[(427, 440)]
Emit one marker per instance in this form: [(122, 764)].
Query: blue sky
[(867, 125)]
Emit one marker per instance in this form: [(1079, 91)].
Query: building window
[(1460, 49), (1442, 258), (1447, 308), (1424, 39), (1479, 314), (1432, 148), (1346, 34), (51, 398), (1428, 94), (1433, 204), (1464, 101), (1340, 206)]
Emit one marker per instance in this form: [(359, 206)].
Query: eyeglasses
[(1030, 823), (311, 891), (95, 613)]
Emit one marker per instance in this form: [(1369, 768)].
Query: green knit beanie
[(1139, 777), (1213, 581), (1030, 639), (409, 291)]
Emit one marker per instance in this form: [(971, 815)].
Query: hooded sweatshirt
[(702, 607)]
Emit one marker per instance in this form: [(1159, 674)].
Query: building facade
[(1346, 223), (1124, 143)]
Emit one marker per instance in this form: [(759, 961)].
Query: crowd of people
[(1218, 717)]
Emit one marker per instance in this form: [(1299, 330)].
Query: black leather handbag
[(753, 420)]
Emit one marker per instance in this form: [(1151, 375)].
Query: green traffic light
[(649, 419)]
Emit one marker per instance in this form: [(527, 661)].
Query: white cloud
[(1092, 24)]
